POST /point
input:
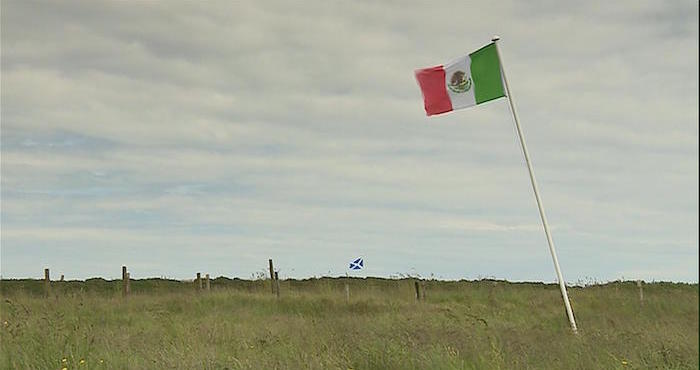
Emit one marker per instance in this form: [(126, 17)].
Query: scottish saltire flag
[(467, 81), (357, 264)]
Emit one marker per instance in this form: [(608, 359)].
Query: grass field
[(240, 324)]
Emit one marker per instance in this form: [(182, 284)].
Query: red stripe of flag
[(432, 85)]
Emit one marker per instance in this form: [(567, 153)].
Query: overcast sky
[(184, 137)]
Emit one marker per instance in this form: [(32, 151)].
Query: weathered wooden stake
[(61, 277), (417, 285), (128, 283), (272, 276), (277, 283), (206, 278), (199, 281), (124, 279), (47, 282), (641, 293)]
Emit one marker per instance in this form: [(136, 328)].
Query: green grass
[(241, 325)]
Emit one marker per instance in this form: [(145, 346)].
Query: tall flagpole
[(562, 287)]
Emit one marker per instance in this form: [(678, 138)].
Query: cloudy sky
[(177, 137)]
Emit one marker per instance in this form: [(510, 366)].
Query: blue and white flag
[(357, 264)]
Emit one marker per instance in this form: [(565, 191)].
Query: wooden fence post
[(47, 282), (277, 283), (124, 280), (272, 276), (62, 277), (206, 278), (199, 281), (417, 285), (641, 293), (128, 283)]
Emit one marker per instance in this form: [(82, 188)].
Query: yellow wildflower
[(64, 360), (82, 361)]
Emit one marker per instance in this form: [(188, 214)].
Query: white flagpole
[(562, 287)]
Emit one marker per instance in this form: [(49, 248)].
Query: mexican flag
[(465, 82)]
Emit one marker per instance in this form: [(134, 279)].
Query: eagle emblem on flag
[(458, 84)]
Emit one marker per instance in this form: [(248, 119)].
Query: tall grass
[(241, 325)]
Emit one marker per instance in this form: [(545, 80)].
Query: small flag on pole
[(357, 264), (467, 81)]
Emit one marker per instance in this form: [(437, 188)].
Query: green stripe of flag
[(486, 74)]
